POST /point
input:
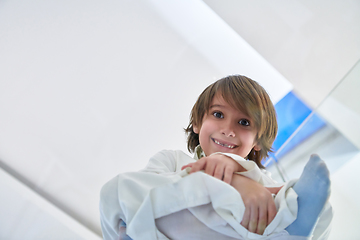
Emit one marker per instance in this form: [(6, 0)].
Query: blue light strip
[(291, 113)]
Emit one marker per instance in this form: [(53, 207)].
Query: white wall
[(90, 89)]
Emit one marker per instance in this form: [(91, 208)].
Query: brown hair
[(246, 95)]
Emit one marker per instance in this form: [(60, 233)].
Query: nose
[(228, 130)]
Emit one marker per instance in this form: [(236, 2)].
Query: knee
[(109, 190)]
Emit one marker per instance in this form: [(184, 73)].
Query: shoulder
[(267, 179), (170, 155), (266, 172), (167, 161), (174, 158)]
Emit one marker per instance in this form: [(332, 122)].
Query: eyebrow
[(222, 106), (216, 105)]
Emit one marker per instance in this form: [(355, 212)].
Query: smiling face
[(226, 129)]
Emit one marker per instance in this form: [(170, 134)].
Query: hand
[(273, 190), (260, 207), (219, 166)]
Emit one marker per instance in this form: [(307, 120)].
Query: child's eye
[(244, 122), (218, 115)]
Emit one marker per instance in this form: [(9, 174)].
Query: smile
[(223, 144)]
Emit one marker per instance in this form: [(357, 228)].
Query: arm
[(225, 162), (219, 166), (117, 196), (260, 207), (163, 162), (110, 210)]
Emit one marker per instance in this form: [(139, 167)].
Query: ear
[(257, 147), (196, 129)]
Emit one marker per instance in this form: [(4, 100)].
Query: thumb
[(187, 165), (274, 190)]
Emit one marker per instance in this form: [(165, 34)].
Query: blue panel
[(291, 113)]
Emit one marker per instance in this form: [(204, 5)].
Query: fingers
[(211, 168), (199, 165), (274, 190), (253, 219), (228, 174), (218, 171), (263, 220), (257, 217), (271, 211), (220, 167), (252, 222), (187, 165), (246, 218)]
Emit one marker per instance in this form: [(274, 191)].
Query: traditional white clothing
[(162, 189)]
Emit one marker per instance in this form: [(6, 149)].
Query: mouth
[(230, 146)]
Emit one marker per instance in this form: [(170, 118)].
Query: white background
[(90, 89)]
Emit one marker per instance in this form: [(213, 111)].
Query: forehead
[(227, 103), (218, 100)]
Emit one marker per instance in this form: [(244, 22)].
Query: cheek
[(249, 139), (205, 126), (205, 131)]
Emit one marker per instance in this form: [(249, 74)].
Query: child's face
[(226, 129)]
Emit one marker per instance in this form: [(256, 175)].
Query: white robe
[(162, 188)]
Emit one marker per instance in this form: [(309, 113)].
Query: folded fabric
[(162, 188)]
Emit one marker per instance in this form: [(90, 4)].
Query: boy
[(232, 120)]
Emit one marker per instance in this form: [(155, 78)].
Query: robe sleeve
[(125, 194), (110, 210), (167, 162), (323, 226), (253, 171), (162, 188)]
